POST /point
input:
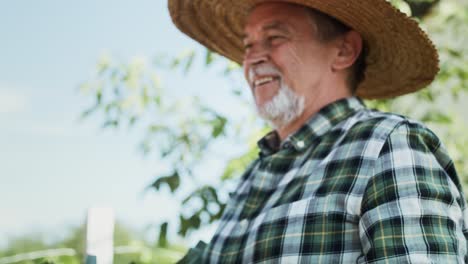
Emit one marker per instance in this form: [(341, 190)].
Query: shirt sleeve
[(412, 208), (194, 255)]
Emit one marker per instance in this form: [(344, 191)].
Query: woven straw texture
[(400, 57)]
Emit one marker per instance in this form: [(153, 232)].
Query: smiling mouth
[(264, 80)]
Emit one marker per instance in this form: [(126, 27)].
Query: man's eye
[(275, 38), (247, 46)]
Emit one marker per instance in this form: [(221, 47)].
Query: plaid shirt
[(351, 186)]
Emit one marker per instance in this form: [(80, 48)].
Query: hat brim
[(400, 57)]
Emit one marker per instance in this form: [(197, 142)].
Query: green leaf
[(157, 128), (186, 224), (111, 123), (232, 66), (454, 53), (218, 124), (236, 166), (89, 111), (207, 193), (98, 97), (427, 95), (133, 120), (437, 117), (162, 240), (218, 215), (173, 181), (209, 57), (175, 63), (189, 62)]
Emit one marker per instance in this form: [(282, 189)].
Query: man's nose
[(256, 55)]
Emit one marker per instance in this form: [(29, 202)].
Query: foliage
[(182, 131), (441, 105), (140, 251)]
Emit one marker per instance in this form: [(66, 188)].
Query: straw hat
[(400, 57)]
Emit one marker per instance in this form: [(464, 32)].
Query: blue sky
[(53, 166)]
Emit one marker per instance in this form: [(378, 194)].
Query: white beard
[(283, 108)]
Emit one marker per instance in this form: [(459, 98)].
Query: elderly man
[(334, 182)]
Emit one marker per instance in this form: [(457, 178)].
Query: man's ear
[(348, 51)]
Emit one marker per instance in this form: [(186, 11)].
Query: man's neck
[(308, 113)]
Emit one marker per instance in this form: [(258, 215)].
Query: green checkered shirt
[(353, 185)]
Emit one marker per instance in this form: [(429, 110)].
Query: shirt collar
[(319, 124)]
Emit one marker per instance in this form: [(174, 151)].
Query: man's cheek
[(291, 63), (292, 55)]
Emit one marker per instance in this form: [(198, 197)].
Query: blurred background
[(106, 104)]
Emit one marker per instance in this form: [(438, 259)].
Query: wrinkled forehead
[(272, 14)]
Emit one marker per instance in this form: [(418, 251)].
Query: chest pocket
[(305, 227)]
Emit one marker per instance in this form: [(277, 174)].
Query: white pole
[(100, 235)]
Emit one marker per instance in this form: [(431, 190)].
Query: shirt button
[(301, 144)]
